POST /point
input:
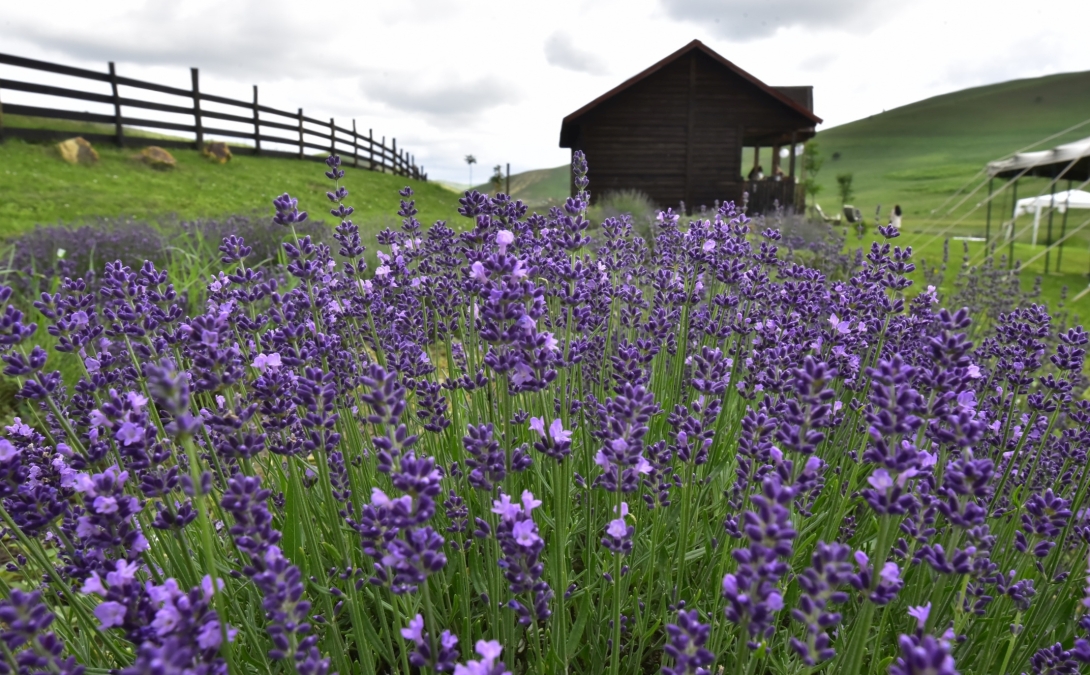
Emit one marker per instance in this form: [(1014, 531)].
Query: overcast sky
[(495, 78)]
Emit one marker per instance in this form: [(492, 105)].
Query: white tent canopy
[(1061, 201), (1026, 162)]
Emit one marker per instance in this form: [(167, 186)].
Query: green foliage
[(844, 187), (811, 167)]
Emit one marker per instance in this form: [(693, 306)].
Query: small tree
[(497, 178), (811, 165), (844, 187), (471, 160)]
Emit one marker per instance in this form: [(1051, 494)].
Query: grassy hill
[(920, 154), (37, 187), (540, 187)]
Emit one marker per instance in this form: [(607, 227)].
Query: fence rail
[(306, 133)]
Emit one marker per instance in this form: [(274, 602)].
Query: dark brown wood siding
[(677, 135)]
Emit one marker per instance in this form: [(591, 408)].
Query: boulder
[(217, 151), (157, 158), (77, 151)]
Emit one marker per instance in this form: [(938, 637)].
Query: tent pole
[(1036, 224), (1014, 219), (1063, 227), (1051, 210), (988, 222)]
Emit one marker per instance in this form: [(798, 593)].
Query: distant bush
[(818, 244), (634, 203)]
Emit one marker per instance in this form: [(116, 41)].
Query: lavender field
[(521, 444)]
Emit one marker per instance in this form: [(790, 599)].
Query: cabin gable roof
[(790, 97)]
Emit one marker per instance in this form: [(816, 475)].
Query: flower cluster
[(535, 435)]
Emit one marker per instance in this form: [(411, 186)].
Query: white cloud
[(449, 79), (746, 20), (561, 51), (443, 100), (248, 39)]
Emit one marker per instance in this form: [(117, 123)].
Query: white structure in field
[(1061, 202)]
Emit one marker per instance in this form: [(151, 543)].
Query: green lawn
[(37, 187)]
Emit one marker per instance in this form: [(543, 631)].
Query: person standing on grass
[(895, 216)]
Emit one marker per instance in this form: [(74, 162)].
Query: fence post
[(257, 126), (382, 156), (118, 132), (394, 158), (355, 146), (332, 137), (371, 148), (195, 74), (300, 133)]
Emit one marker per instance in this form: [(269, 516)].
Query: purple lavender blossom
[(522, 546), (686, 645), (923, 656), (489, 651), (447, 652), (24, 631)]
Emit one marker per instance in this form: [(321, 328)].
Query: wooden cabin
[(676, 132)]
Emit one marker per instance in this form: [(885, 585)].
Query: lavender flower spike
[(686, 645), (489, 651), (920, 614), (923, 656)]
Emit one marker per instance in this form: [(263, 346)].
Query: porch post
[(791, 160)]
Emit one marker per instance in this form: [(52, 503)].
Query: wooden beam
[(196, 78), (794, 144), (257, 125), (119, 131)]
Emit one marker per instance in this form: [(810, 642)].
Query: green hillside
[(37, 187), (920, 154), (540, 187)]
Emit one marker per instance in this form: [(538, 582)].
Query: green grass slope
[(539, 187), (37, 187), (920, 154)]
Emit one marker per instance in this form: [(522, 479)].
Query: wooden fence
[(306, 133)]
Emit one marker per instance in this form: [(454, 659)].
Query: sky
[(495, 79)]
